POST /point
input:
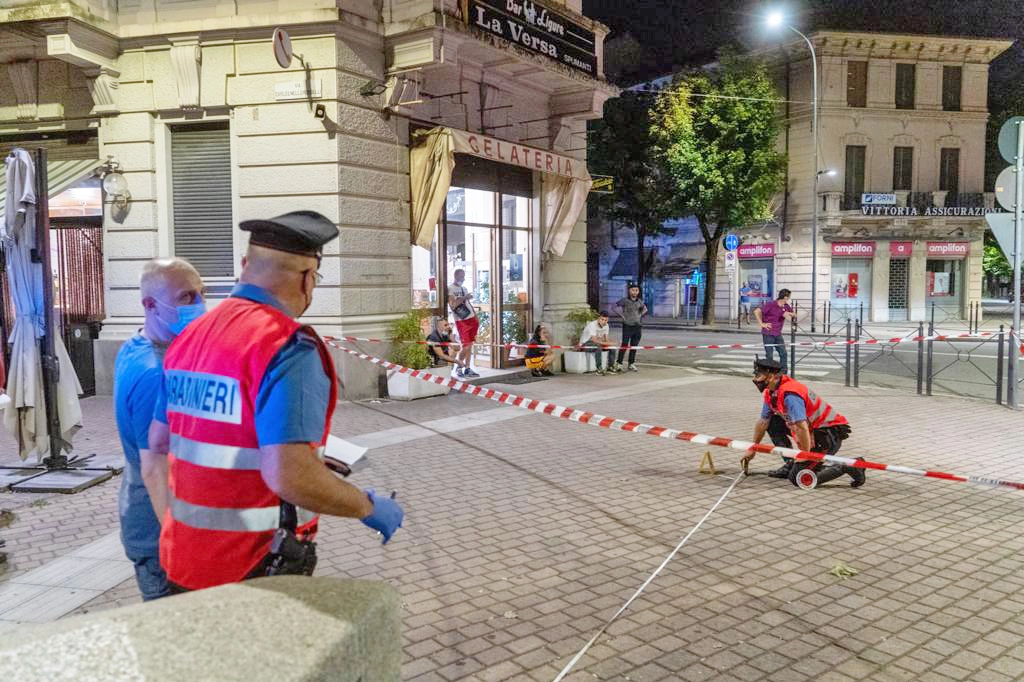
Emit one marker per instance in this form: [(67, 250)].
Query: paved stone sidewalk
[(525, 533)]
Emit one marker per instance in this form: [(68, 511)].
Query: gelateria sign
[(530, 158), (533, 26)]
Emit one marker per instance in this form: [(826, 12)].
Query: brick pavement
[(524, 535)]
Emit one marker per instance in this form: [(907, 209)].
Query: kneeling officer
[(248, 397), (791, 410)]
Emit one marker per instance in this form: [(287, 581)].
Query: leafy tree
[(643, 197), (716, 138)]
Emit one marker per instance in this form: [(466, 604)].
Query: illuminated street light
[(775, 20)]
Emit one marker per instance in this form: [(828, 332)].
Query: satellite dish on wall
[(282, 48)]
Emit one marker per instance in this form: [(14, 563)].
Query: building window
[(854, 178), (902, 168), (906, 80), (201, 196), (949, 171), (951, 79), (856, 84)]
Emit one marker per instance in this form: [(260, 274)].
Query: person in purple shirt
[(771, 316)]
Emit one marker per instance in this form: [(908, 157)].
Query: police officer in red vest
[(792, 415), (247, 402)]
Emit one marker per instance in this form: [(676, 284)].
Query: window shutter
[(952, 77), (905, 84), (903, 168), (857, 84), (949, 171), (201, 181), (854, 178)]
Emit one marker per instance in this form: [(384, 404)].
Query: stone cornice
[(954, 49)]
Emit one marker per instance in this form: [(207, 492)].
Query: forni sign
[(533, 26)]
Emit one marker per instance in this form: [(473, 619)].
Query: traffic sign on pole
[(1006, 189), (732, 242), (1008, 139)]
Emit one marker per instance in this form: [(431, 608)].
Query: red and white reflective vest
[(819, 413), (221, 515)]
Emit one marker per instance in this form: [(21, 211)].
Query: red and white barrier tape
[(712, 346), (584, 417)]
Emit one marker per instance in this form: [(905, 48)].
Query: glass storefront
[(851, 283), (488, 234), (944, 286), (758, 276)]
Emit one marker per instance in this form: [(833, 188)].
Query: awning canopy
[(61, 174), (565, 181)]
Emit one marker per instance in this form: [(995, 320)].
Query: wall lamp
[(114, 184)]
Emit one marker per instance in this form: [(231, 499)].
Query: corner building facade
[(900, 199), (186, 98)]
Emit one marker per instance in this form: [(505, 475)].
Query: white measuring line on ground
[(575, 659)]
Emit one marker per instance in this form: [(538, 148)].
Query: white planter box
[(406, 387), (579, 362)]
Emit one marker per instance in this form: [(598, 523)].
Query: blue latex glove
[(386, 517)]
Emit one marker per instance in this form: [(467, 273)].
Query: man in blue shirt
[(171, 291)]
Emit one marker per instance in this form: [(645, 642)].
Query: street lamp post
[(775, 20)]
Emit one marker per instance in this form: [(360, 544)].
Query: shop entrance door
[(899, 283), (488, 236)]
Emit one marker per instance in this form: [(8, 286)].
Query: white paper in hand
[(343, 451)]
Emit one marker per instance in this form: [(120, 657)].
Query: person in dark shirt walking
[(771, 316)]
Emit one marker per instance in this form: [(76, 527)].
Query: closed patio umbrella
[(25, 417)]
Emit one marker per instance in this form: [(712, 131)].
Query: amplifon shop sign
[(853, 249), (751, 251), (948, 249)]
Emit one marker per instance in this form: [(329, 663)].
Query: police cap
[(300, 232), (767, 366)]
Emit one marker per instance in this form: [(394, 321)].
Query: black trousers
[(827, 440), (630, 337)]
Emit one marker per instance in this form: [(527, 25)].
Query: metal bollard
[(920, 357), (848, 339), (856, 357), (999, 368), (792, 348), (931, 344)]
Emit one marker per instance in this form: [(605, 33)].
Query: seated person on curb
[(443, 351), (792, 411), (594, 339), (539, 360)]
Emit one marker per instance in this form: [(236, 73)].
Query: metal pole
[(814, 183), (856, 357), (931, 332), (1018, 227), (48, 354), (920, 356), (999, 369), (848, 339), (792, 347)]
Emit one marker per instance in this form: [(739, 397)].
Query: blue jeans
[(150, 576), (597, 350), (775, 344)]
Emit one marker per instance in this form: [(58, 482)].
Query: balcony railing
[(919, 200)]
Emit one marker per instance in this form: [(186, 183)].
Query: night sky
[(688, 32)]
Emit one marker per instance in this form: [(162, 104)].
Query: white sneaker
[(601, 371), (632, 368)]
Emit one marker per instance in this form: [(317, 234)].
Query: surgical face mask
[(187, 314)]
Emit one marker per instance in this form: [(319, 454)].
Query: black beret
[(767, 366), (301, 232)]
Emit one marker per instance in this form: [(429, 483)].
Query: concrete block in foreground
[(283, 628)]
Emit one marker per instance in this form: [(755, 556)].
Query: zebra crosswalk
[(742, 362)]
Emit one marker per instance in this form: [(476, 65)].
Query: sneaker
[(601, 371), (469, 373), (547, 373), (457, 373), (536, 373), (858, 475), (632, 368)]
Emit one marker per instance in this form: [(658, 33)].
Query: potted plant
[(406, 333), (579, 362)]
